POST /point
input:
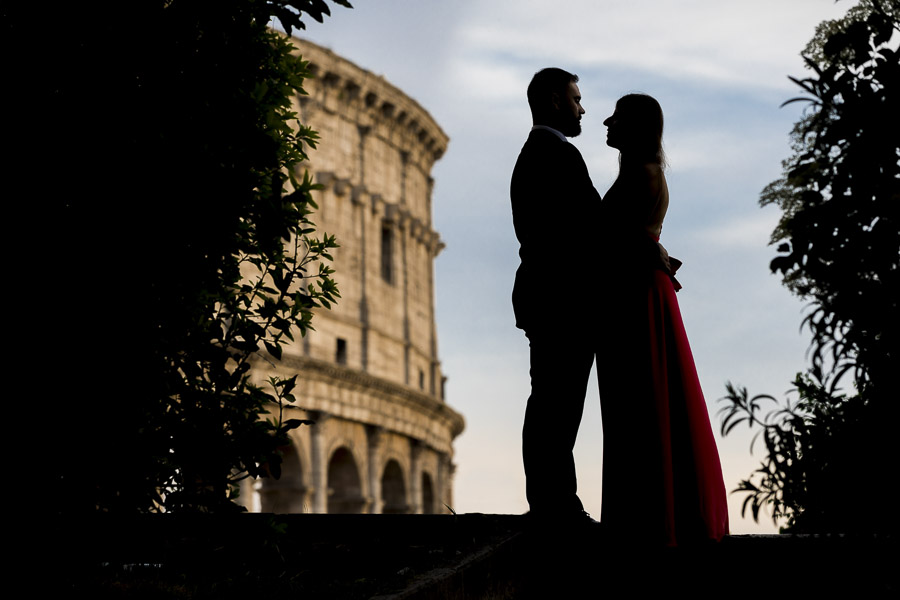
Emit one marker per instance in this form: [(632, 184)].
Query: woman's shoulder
[(641, 169), (653, 170), (645, 175)]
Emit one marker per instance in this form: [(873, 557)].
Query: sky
[(719, 68)]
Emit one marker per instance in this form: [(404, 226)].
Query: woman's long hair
[(643, 119)]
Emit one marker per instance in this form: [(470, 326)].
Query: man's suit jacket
[(555, 208)]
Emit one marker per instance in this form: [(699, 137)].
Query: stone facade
[(369, 374)]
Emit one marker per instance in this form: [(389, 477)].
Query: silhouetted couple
[(594, 283)]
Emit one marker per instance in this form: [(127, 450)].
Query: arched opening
[(393, 490), (287, 494), (344, 490), (428, 507)]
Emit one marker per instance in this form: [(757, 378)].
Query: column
[(443, 491), (374, 436), (415, 477), (319, 470)]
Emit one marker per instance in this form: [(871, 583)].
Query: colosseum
[(370, 377)]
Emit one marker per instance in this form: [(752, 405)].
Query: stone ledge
[(447, 557)]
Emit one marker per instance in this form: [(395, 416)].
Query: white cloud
[(737, 43), (746, 231)]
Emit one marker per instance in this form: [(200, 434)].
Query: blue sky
[(719, 69)]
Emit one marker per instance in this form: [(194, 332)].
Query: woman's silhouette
[(661, 474)]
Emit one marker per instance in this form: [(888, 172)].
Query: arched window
[(428, 504), (287, 494), (393, 490), (344, 489)]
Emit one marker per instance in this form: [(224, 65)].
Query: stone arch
[(393, 489), (288, 493), (344, 484), (428, 498)]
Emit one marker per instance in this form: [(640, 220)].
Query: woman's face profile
[(614, 129)]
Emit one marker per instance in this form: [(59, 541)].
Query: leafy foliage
[(840, 195), (809, 478), (839, 244), (185, 234)]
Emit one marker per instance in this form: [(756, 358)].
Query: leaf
[(288, 385), (295, 423), (273, 349)]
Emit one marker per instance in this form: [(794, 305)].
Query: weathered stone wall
[(369, 374)]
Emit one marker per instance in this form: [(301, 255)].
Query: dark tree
[(171, 214), (828, 454)]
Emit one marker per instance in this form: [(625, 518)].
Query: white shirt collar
[(550, 129)]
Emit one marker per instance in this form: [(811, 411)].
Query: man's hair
[(543, 85)]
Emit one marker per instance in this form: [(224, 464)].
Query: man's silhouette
[(555, 206)]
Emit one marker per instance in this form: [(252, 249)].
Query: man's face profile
[(570, 110)]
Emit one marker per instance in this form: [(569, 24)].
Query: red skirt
[(662, 479), (692, 482)]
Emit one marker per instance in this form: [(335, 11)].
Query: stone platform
[(468, 556)]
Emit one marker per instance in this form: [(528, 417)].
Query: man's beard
[(572, 128)]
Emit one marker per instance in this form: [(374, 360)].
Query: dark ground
[(443, 557)]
